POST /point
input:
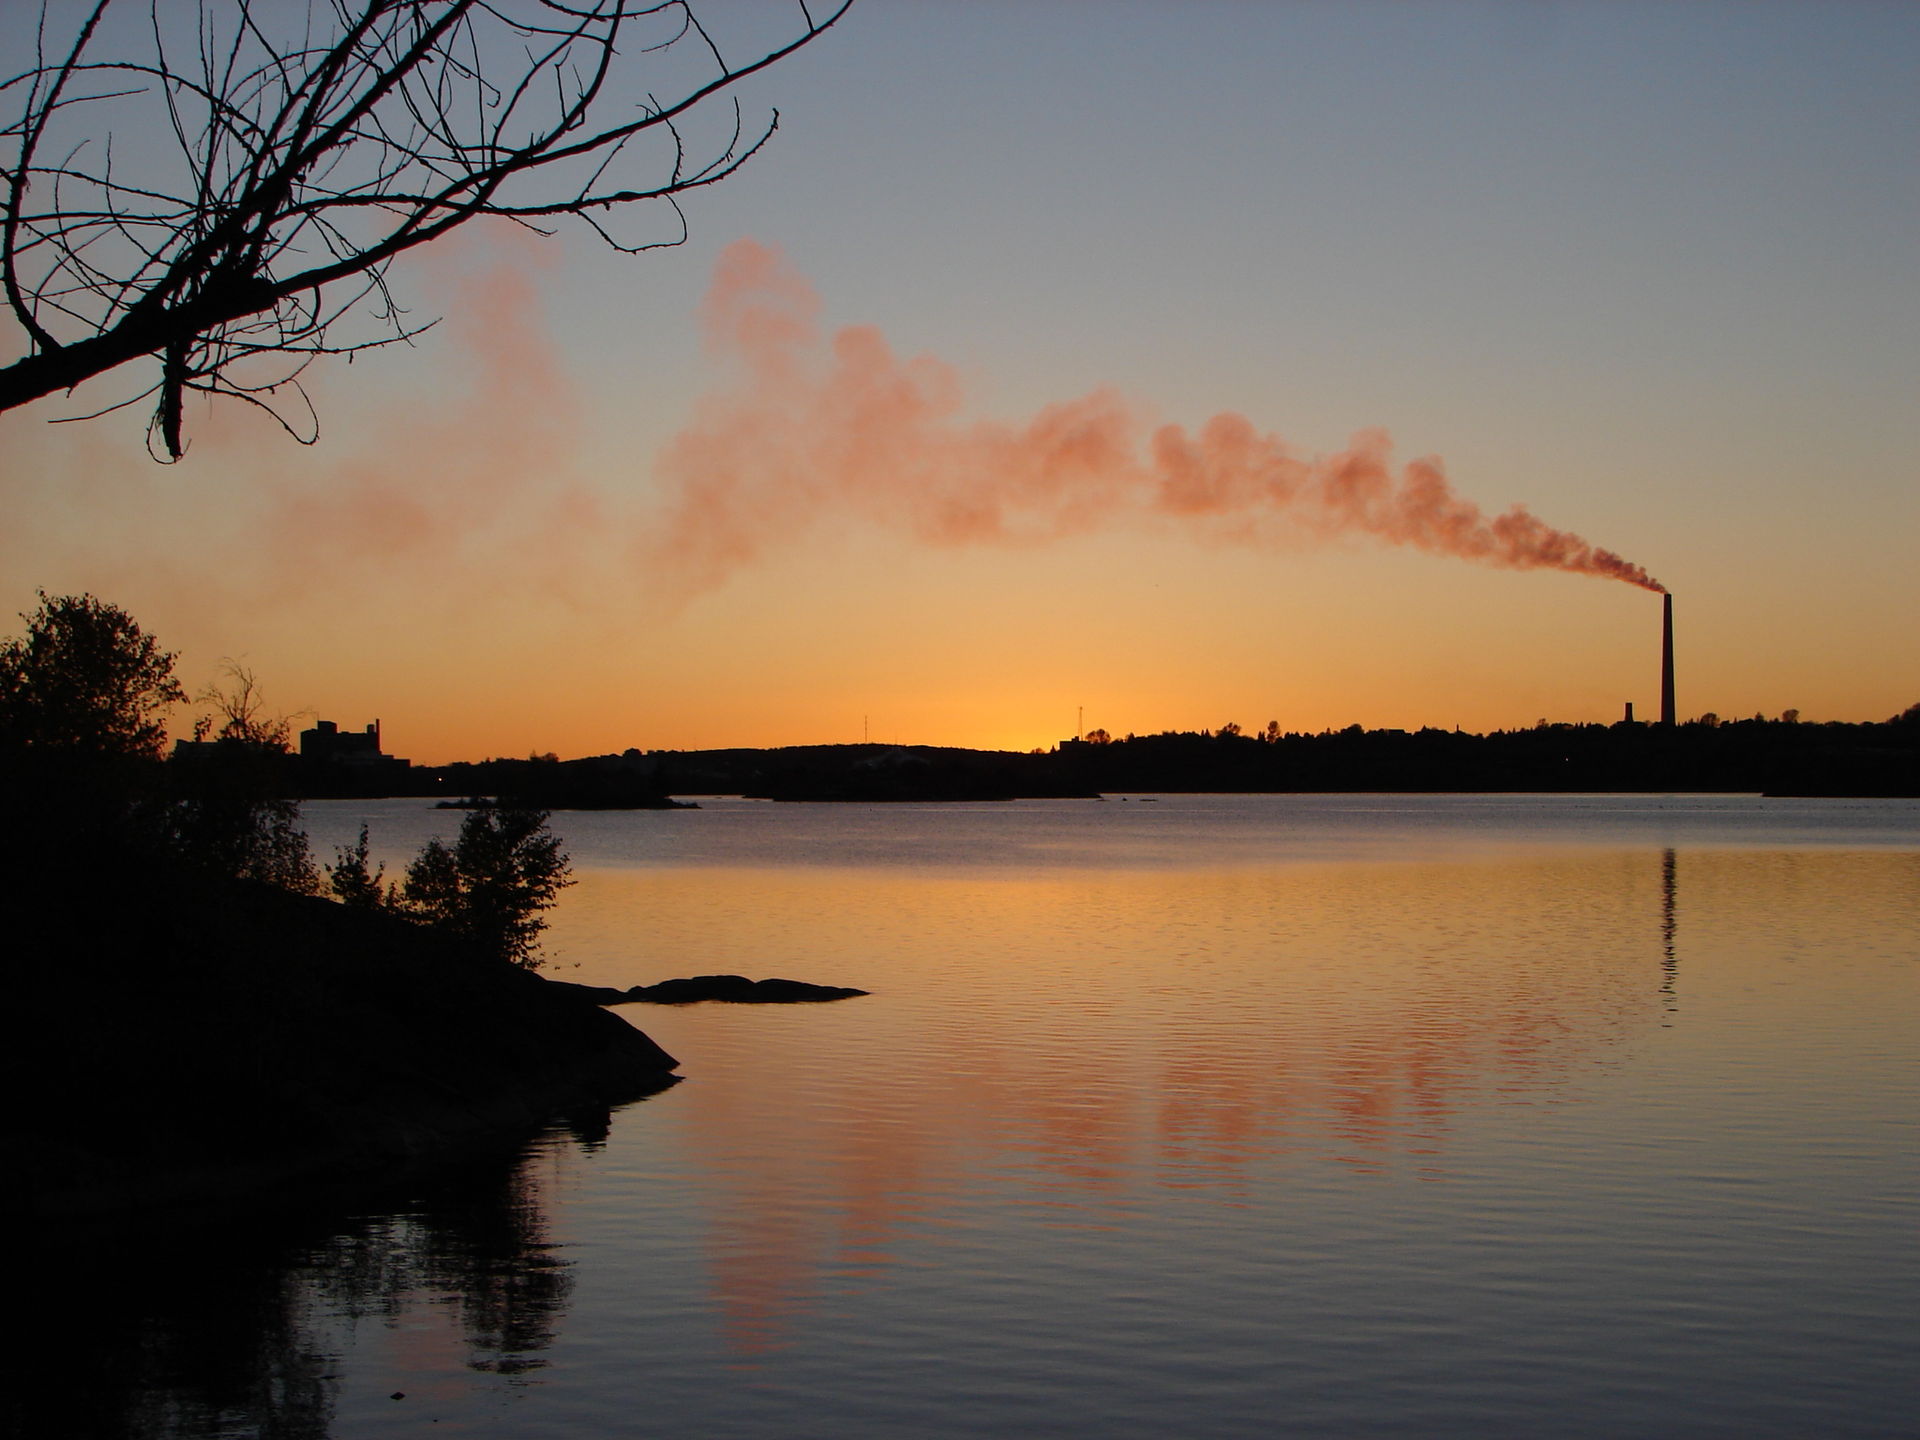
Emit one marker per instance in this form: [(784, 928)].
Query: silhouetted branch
[(275, 160)]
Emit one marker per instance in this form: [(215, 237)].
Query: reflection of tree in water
[(233, 1329), (479, 1240)]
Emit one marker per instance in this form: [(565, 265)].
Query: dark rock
[(589, 994), (737, 990), (187, 1041)]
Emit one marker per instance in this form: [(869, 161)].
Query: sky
[(1131, 366)]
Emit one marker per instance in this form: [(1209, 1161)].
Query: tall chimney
[(1666, 663)]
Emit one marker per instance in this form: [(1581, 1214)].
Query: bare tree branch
[(281, 153)]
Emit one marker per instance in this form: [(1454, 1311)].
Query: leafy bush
[(350, 880), (491, 886)]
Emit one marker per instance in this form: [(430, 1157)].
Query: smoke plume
[(797, 430), (478, 477)]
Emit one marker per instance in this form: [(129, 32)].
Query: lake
[(1207, 1116)]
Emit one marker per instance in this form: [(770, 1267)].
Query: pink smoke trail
[(795, 433)]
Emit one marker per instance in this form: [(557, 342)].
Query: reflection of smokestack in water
[(1666, 662)]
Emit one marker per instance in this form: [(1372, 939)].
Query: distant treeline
[(1780, 757)]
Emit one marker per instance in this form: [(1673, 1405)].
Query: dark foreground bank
[(179, 1040)]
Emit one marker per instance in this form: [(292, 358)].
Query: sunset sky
[(881, 445)]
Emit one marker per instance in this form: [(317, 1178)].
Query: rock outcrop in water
[(732, 989), (738, 990)]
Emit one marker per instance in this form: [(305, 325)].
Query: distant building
[(348, 762), (327, 743)]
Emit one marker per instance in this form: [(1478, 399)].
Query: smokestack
[(1666, 662)]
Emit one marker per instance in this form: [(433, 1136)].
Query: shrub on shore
[(489, 886)]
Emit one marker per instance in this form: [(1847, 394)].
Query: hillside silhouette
[(1782, 756)]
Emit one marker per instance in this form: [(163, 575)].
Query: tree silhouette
[(232, 811), (84, 693), (222, 186), (351, 881), (491, 886), (86, 678)]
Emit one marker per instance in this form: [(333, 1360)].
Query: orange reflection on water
[(1095, 1043), (1088, 1038)]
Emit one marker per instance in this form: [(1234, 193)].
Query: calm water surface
[(1198, 1116)]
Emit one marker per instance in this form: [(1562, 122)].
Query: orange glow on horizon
[(459, 562)]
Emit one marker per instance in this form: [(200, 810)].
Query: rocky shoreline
[(182, 1041)]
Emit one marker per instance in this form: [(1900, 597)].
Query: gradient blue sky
[(1652, 270)]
